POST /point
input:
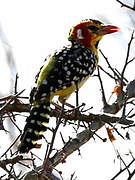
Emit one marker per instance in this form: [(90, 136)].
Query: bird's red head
[(90, 32)]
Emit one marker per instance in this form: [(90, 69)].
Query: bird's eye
[(93, 28)]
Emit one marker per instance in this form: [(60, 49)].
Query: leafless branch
[(45, 163), (127, 58), (13, 97), (74, 144), (14, 160), (10, 147), (81, 117), (127, 6), (102, 89), (122, 170), (110, 67)]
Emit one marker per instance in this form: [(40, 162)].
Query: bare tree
[(85, 124)]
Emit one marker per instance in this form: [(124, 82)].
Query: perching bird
[(72, 65)]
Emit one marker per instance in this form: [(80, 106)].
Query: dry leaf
[(117, 90), (110, 134)]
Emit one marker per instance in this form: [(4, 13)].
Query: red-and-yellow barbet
[(72, 65)]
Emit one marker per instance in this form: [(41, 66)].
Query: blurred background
[(30, 30)]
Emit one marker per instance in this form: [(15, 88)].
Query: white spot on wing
[(28, 140), (35, 113), (61, 58), (43, 95), (69, 61), (65, 68), (39, 123), (44, 82), (68, 73), (32, 121), (59, 81), (30, 130), (51, 88)]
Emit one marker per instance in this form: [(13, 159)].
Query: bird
[(70, 66)]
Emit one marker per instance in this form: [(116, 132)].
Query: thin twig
[(107, 73), (102, 89), (52, 141), (81, 117), (16, 80), (77, 94), (74, 144), (6, 98), (10, 146), (125, 81), (122, 170), (118, 154), (14, 160), (109, 66), (62, 138), (10, 100), (116, 131), (72, 175), (127, 57), (127, 6), (14, 122)]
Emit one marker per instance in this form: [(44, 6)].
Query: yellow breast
[(66, 92)]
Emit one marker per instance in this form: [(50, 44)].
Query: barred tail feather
[(35, 126)]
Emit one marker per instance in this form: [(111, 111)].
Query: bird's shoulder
[(70, 51)]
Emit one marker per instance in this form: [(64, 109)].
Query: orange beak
[(107, 30)]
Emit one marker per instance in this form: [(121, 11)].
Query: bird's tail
[(35, 126)]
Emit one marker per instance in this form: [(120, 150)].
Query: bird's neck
[(93, 45)]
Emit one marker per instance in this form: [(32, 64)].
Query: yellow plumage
[(65, 93)]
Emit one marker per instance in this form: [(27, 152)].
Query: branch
[(10, 146), (127, 57), (122, 170), (50, 149), (122, 96), (93, 117), (102, 89), (109, 65), (74, 144), (81, 117), (127, 6), (71, 146), (4, 163), (12, 98), (15, 107)]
